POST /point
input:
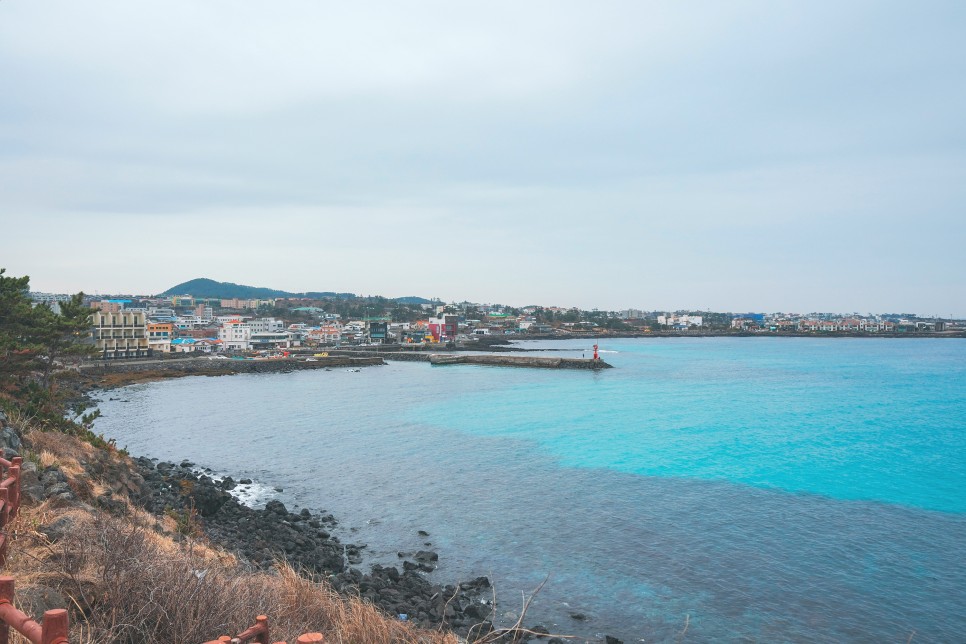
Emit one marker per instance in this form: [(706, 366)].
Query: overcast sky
[(765, 156)]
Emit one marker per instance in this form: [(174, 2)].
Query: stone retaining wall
[(216, 365)]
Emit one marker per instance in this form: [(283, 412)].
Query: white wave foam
[(253, 495)]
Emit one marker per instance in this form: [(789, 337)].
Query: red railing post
[(4, 518), (262, 637), (257, 633), (54, 627), (6, 597), (15, 488)]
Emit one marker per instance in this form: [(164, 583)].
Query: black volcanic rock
[(261, 537)]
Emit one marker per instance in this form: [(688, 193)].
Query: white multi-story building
[(680, 321), (190, 322), (267, 325), (235, 336), (162, 313), (49, 298), (121, 334)]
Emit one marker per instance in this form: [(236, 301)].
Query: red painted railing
[(9, 498), (53, 630), (258, 634)]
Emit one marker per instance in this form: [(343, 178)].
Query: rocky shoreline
[(203, 506)]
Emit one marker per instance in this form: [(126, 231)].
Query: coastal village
[(139, 326)]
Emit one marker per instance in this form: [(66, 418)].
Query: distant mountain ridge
[(204, 287), (412, 299)]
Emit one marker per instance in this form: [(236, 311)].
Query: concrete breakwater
[(495, 360), (519, 361), (213, 366)]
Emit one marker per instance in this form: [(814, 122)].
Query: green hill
[(204, 287), (412, 299)]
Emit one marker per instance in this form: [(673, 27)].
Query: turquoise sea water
[(755, 489), (849, 419)]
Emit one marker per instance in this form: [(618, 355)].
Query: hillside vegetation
[(204, 287)]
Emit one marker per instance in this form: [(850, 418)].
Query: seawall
[(216, 366)]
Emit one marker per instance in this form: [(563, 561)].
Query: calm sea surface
[(752, 489)]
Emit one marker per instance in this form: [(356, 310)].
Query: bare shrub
[(131, 586)]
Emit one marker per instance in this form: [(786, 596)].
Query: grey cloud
[(774, 139)]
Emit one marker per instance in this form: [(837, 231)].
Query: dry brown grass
[(65, 452), (129, 582)]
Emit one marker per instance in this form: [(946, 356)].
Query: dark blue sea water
[(753, 489)]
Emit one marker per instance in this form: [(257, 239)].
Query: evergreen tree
[(36, 344), (18, 346), (63, 337)]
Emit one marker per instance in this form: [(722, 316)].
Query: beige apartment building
[(121, 334)]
